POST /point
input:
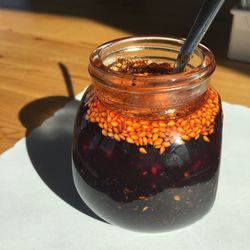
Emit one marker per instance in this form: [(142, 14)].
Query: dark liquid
[(145, 192)]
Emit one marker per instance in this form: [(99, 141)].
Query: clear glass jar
[(146, 147)]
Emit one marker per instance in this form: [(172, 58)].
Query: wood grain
[(32, 45)]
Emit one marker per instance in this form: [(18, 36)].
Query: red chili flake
[(145, 173), (154, 169), (196, 165), (186, 174), (108, 152)]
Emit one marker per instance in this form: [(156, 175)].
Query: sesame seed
[(143, 150), (159, 134)]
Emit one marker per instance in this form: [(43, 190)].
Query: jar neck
[(153, 96)]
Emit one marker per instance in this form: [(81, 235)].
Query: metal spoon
[(203, 20)]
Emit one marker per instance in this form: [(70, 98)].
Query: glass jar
[(146, 145)]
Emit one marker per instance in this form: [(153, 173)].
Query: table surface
[(42, 52)]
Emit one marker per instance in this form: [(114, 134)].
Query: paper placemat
[(40, 208)]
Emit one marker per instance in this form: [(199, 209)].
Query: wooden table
[(39, 52)]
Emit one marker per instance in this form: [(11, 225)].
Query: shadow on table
[(48, 143)]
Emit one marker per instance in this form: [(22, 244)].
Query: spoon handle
[(205, 17)]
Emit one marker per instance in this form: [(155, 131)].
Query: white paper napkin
[(40, 208)]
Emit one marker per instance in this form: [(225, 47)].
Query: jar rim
[(163, 82)]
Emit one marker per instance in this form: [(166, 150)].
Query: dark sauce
[(152, 192)]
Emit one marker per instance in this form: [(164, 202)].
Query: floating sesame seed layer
[(158, 133)]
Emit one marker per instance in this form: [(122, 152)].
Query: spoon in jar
[(203, 20)]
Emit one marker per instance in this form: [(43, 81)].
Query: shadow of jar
[(48, 142)]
